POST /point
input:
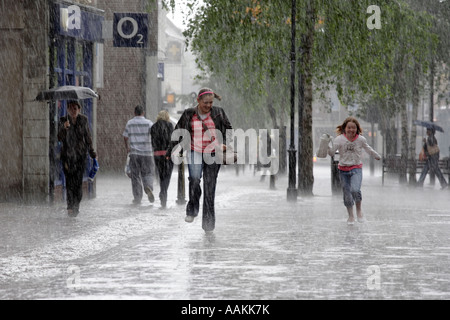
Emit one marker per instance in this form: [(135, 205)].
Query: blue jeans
[(351, 186), (198, 169)]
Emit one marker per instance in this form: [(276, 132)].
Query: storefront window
[(72, 62)]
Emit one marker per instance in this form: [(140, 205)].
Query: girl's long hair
[(341, 129)]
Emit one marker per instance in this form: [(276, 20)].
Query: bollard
[(274, 166), (272, 182), (181, 183)]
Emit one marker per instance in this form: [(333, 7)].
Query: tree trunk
[(273, 113), (432, 74), (306, 176), (270, 107), (372, 143), (415, 111), (404, 120), (391, 132), (283, 139)]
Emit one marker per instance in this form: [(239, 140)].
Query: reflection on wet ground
[(263, 247)]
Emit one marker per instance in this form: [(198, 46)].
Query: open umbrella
[(428, 125), (66, 93)]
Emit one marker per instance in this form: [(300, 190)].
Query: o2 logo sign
[(130, 30)]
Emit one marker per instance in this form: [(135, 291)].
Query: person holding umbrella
[(431, 150), (76, 139)]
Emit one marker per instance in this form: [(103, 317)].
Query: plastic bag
[(323, 146), (127, 167), (93, 170)]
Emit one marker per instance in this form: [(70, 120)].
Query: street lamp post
[(291, 191)]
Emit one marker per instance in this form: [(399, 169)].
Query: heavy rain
[(332, 117)]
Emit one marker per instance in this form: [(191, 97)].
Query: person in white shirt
[(138, 144), (350, 143)]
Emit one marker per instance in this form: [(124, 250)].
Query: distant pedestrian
[(350, 144), (161, 133), (203, 123), (139, 147), (431, 151), (76, 139)]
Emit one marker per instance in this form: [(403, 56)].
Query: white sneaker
[(189, 219), (361, 220)]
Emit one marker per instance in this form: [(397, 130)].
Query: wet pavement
[(263, 247)]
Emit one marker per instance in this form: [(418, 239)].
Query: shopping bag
[(127, 167), (323, 146)]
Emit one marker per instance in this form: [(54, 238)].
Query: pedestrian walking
[(76, 139), (161, 133), (204, 124), (350, 143), (138, 144), (431, 152)]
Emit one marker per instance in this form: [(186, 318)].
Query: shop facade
[(43, 44)]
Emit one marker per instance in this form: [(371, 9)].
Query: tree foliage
[(244, 45)]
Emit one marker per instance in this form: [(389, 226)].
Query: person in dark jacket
[(161, 133), (206, 126), (76, 139), (430, 146)]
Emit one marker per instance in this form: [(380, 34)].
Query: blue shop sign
[(130, 30), (161, 71), (72, 21)]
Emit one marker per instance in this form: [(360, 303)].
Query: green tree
[(246, 44)]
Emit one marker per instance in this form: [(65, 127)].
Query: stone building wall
[(124, 77), (24, 122)]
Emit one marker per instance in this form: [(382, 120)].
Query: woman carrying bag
[(202, 148)]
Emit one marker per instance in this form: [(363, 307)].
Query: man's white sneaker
[(189, 219)]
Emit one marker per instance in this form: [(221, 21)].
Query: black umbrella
[(428, 125), (66, 93)]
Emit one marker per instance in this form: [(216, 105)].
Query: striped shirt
[(137, 131), (201, 141)]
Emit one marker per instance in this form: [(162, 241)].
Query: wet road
[(263, 247)]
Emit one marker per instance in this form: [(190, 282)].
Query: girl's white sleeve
[(369, 149), (334, 146)]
